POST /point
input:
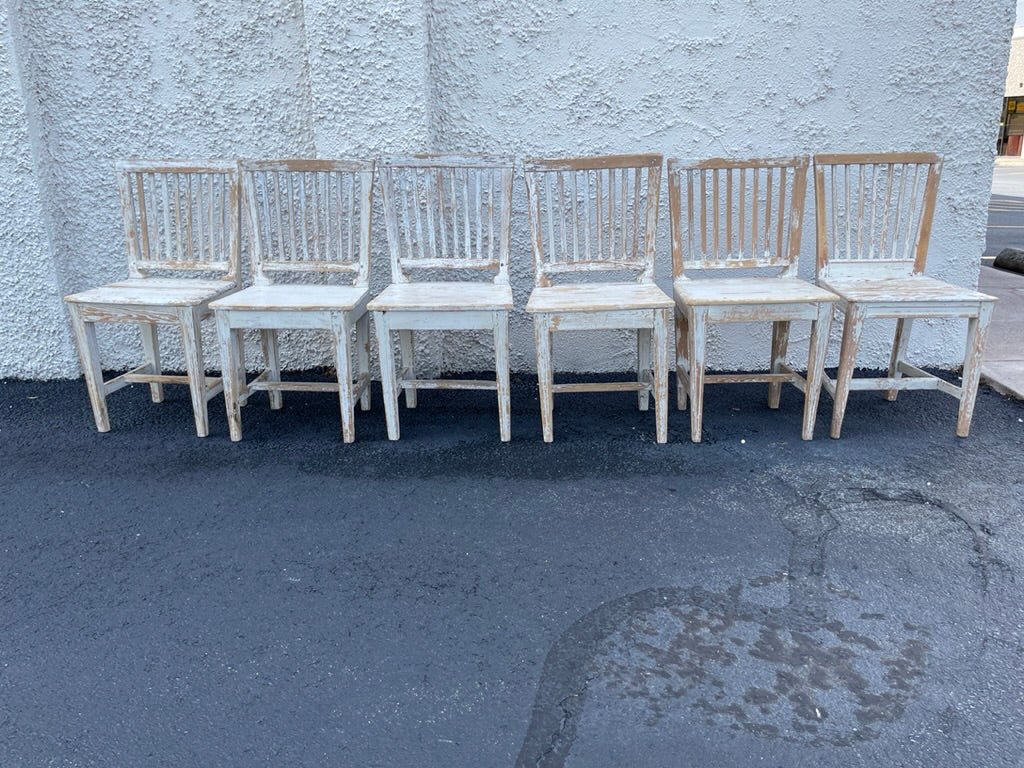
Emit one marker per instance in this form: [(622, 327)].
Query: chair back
[(737, 214), (593, 214), (874, 213), (309, 216), (447, 212), (181, 216)]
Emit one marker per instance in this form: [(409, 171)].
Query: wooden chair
[(450, 215), (181, 223), (874, 215), (306, 218), (595, 217), (743, 215)]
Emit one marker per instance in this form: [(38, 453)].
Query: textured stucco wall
[(98, 81), (736, 78), (1015, 70), (34, 342)]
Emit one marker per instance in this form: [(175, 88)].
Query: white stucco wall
[(86, 83), (34, 342), (1015, 69)]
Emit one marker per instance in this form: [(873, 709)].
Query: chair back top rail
[(874, 212), (309, 216), (450, 212), (593, 214), (181, 216), (732, 214)]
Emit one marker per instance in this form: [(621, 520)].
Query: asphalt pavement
[(449, 600)]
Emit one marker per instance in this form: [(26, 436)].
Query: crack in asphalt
[(877, 676), (979, 533)]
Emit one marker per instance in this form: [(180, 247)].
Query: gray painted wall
[(84, 83)]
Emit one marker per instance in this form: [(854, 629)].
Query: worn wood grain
[(598, 217), (756, 221), (875, 214), (450, 213)]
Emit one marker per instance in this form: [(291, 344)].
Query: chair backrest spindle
[(753, 208), (309, 216), (585, 214), (181, 216), (447, 212), (874, 212)]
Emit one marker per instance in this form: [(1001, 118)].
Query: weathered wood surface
[(181, 218), (589, 216), (305, 217), (593, 214), (874, 208), (743, 214), (907, 289), (597, 297), (875, 215), (750, 290), (309, 216), (451, 213), (296, 297), (155, 291), (733, 214), (447, 212), (443, 297)]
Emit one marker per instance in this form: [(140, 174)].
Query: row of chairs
[(593, 222)]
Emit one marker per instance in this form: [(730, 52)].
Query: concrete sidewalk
[(1003, 367)]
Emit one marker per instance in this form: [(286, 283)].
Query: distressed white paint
[(97, 81), (41, 348)]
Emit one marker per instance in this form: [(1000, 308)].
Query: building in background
[(1011, 123)]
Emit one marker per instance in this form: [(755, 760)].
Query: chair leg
[(780, 342), (853, 324), (899, 353), (89, 354), (388, 380), (501, 355), (643, 366), (696, 347), (659, 338), (977, 331), (268, 341), (405, 342), (151, 351), (343, 365), (192, 341), (817, 349), (229, 364), (682, 358), (545, 376), (363, 350)]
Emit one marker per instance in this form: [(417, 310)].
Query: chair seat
[(155, 292), (903, 289), (309, 298), (597, 297), (443, 297), (750, 290)]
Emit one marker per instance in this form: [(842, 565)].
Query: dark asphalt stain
[(449, 600), (824, 682)]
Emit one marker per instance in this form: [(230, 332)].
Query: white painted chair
[(448, 215), (306, 218), (730, 215), (596, 217), (181, 223), (874, 221)]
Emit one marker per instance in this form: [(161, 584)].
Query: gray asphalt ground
[(1005, 224), (1006, 208), (451, 601)]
